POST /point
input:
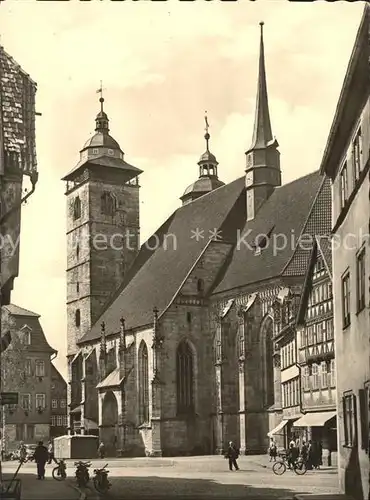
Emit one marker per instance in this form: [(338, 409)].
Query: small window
[(349, 418), (40, 401), (344, 185), (188, 317), (65, 420), (361, 280), (346, 314), (63, 403), (26, 336), (53, 419), (40, 368), (110, 152), (59, 420), (95, 151), (77, 208), (77, 318), (200, 285), (28, 368), (77, 287), (54, 404), (26, 401), (357, 155), (77, 251)]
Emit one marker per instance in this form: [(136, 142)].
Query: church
[(171, 346)]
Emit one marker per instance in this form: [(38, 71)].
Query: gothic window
[(108, 204), (143, 383), (77, 317), (185, 379), (77, 208), (267, 361)]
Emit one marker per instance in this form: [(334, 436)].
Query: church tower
[(208, 175), (102, 227), (263, 158)]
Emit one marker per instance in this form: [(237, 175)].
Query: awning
[(278, 428), (77, 409), (317, 419)]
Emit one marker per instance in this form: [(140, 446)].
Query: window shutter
[(364, 419), (345, 421), (355, 430)]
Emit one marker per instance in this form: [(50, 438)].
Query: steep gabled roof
[(157, 274), (282, 216), (20, 311), (321, 247)]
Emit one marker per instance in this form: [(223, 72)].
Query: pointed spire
[(262, 133), (102, 121)]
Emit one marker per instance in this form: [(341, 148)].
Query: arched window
[(77, 208), (108, 204), (185, 379), (143, 383), (268, 361), (200, 285), (77, 317)]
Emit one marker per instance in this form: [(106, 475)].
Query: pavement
[(182, 478), (33, 489)]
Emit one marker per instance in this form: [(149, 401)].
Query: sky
[(162, 65)]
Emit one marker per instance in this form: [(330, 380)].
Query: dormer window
[(77, 208), (26, 335), (200, 285), (261, 244)]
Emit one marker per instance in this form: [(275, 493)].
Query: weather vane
[(206, 120)]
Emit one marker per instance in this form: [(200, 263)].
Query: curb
[(80, 492)]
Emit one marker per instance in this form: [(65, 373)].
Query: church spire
[(262, 174), (262, 133), (102, 121)]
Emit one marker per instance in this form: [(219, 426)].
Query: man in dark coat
[(232, 454), (41, 457)]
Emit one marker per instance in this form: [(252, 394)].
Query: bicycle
[(299, 466), (59, 472)]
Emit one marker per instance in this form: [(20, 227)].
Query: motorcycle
[(100, 480), (59, 472), (82, 473)]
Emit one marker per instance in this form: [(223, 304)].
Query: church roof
[(282, 216), (203, 185), (157, 275), (20, 311), (104, 161), (101, 139)]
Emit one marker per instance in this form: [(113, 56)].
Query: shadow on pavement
[(47, 489), (159, 488)]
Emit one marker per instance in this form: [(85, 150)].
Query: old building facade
[(346, 161), (58, 405), (183, 358), (26, 369)]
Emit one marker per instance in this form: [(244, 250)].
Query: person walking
[(41, 457), (51, 452), (232, 454), (304, 452), (292, 454), (272, 450), (101, 450)]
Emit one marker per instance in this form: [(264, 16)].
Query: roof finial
[(100, 91), (206, 136), (262, 133)]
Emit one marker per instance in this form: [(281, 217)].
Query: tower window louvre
[(78, 317), (77, 208)]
